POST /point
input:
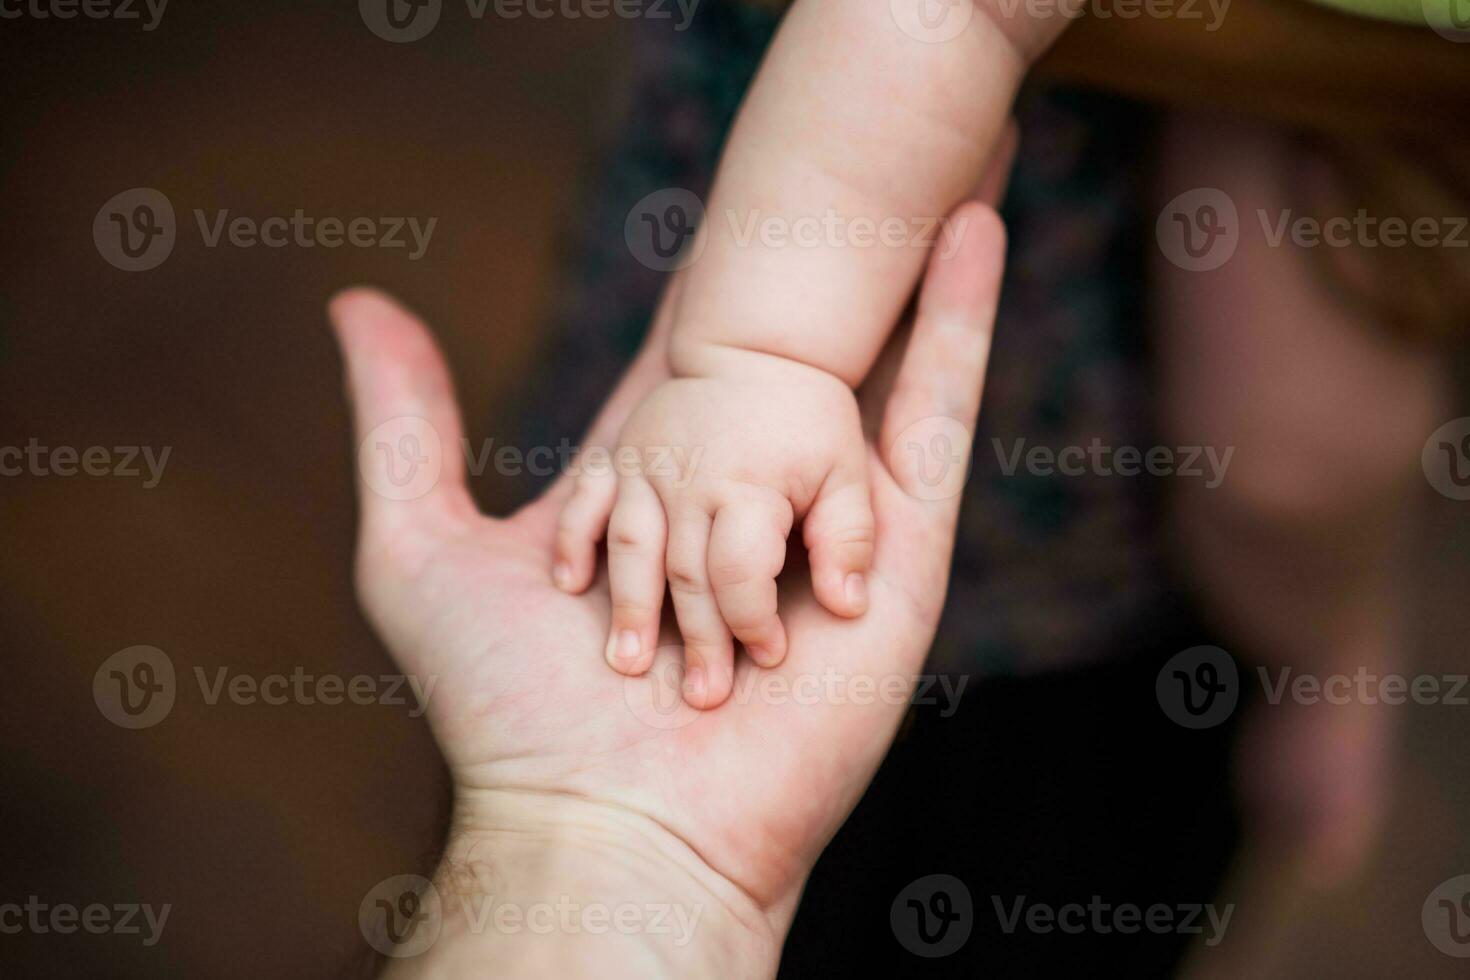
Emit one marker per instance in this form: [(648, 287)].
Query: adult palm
[(523, 702)]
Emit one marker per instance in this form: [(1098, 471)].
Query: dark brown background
[(263, 826)]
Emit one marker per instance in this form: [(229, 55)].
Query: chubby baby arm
[(853, 117)]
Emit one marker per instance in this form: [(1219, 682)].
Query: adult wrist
[(548, 884)]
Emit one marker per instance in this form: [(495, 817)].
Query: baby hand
[(709, 477)]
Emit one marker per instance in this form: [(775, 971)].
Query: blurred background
[(262, 827)]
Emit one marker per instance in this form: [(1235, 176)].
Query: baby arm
[(853, 119), (873, 135)]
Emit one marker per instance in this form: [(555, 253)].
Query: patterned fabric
[(1048, 569)]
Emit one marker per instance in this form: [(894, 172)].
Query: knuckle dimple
[(706, 648), (850, 537), (625, 609), (629, 537), (683, 578), (751, 625), (733, 572)]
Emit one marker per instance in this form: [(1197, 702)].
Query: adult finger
[(929, 420), (410, 472)]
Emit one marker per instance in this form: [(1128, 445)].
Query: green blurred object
[(1424, 13)]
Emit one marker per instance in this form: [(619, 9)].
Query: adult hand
[(577, 786)]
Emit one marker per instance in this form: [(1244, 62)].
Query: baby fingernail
[(562, 575), (622, 649), (760, 655), (628, 646), (694, 685), (857, 590)]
